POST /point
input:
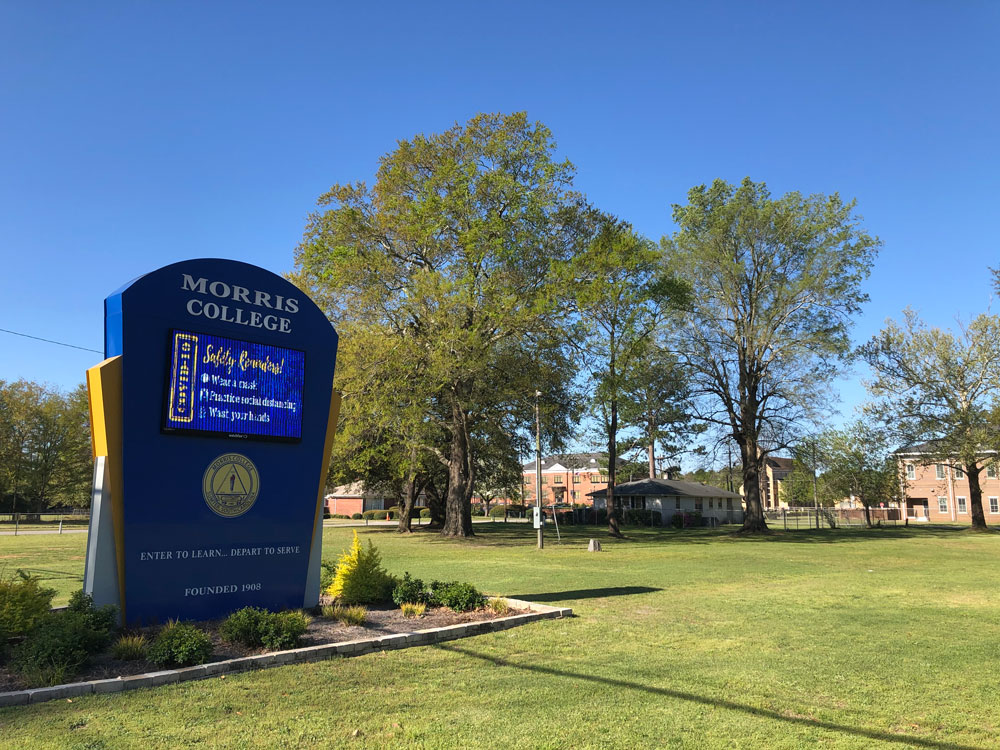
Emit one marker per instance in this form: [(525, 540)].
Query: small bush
[(282, 630), (354, 615), (24, 603), (425, 513), (360, 577), (378, 515), (356, 516), (180, 645), (419, 510), (498, 606), (56, 648), (255, 628), (457, 596), (413, 609), (130, 647), (514, 510), (409, 590), (677, 520), (104, 619), (244, 626)]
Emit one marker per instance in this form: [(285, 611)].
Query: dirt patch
[(380, 620)]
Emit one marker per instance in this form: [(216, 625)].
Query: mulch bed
[(380, 620)]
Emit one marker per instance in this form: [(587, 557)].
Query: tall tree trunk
[(411, 490), (613, 527), (868, 512), (753, 518), (458, 508), (435, 503), (972, 470), (652, 462)]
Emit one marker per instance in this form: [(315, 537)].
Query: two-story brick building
[(566, 478), (939, 492)]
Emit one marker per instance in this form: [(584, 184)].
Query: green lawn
[(833, 639)]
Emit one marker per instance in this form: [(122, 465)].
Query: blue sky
[(136, 134)]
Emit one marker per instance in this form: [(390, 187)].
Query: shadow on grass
[(872, 734), (47, 575), (556, 596), (855, 534)]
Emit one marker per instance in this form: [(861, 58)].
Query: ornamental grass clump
[(354, 615), (413, 609), (130, 647), (360, 577), (498, 606)]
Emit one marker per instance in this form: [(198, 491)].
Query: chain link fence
[(790, 519), (17, 523)]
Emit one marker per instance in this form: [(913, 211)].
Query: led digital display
[(222, 386)]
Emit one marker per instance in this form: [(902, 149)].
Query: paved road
[(26, 532)]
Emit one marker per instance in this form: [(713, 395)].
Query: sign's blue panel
[(239, 389), (214, 519)]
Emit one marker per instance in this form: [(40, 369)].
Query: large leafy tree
[(859, 463), (937, 387), (450, 250), (775, 283), (619, 298), (45, 452)]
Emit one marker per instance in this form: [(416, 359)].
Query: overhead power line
[(50, 341)]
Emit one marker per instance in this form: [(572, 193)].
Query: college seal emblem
[(230, 485)]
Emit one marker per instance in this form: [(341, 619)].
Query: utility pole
[(538, 473), (815, 493)]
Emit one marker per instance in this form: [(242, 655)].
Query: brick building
[(939, 493), (566, 478)]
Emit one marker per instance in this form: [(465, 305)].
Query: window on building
[(939, 470), (710, 504), (678, 505), (729, 503), (576, 479), (557, 479), (911, 471), (543, 480), (994, 505), (697, 504), (991, 471), (962, 508), (959, 474), (576, 494), (942, 505), (603, 478)]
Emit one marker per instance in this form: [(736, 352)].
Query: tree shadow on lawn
[(872, 734), (556, 596)]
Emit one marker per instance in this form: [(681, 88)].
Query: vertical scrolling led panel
[(226, 402)]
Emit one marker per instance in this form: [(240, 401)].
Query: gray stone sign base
[(292, 656)]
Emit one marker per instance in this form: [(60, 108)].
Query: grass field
[(832, 639)]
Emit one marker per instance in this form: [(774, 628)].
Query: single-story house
[(348, 499), (672, 496)]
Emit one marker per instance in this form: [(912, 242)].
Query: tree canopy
[(775, 284)]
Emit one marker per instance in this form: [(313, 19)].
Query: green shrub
[(104, 619), (354, 615), (425, 512), (356, 516), (56, 648), (360, 577), (180, 644), (282, 630), (255, 628), (409, 590), (244, 626), (377, 515), (460, 597), (24, 603), (327, 570), (514, 510), (130, 647)]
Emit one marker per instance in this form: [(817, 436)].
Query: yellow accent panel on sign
[(104, 388), (331, 431)]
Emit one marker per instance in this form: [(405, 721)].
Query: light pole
[(815, 493), (538, 473)]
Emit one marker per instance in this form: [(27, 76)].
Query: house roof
[(666, 487), (571, 461), (780, 462)]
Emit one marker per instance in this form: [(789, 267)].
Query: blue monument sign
[(213, 416)]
